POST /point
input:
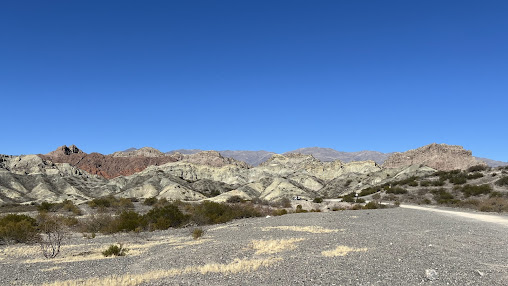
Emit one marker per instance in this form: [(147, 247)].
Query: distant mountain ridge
[(254, 158)]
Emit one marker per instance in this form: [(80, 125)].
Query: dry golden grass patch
[(239, 265), (74, 253), (311, 229), (342, 250), (274, 245)]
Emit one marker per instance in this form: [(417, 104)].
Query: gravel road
[(399, 246)]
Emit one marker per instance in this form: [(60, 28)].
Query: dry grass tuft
[(239, 265), (342, 250), (274, 245), (311, 229)]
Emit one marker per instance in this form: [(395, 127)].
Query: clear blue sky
[(251, 75)]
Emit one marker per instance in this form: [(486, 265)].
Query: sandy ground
[(399, 246)]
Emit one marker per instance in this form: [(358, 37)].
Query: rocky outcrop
[(437, 156), (211, 158), (107, 166), (143, 152)]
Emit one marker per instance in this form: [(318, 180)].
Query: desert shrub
[(111, 202), (376, 196), (477, 168), (349, 198), (425, 183), (411, 181), (494, 205), (396, 191), (128, 221), (317, 200), (69, 206), (213, 213), (360, 201), (165, 217), (235, 200), (347, 183), (316, 210), (438, 183), (285, 203), (369, 191), (299, 209), (197, 232), (16, 228), (53, 232), (472, 190), (502, 182), (441, 196), (496, 195), (115, 250), (150, 201), (371, 205), (102, 223), (279, 212), (458, 179), (47, 207), (356, 207), (475, 175)]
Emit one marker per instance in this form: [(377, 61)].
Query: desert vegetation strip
[(272, 246), (482, 217), (310, 229), (342, 250), (237, 266)]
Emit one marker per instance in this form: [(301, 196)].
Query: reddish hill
[(104, 165)]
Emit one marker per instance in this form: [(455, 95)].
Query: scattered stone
[(431, 274)]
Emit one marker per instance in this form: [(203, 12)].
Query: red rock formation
[(104, 165)]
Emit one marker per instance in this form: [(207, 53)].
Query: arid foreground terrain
[(396, 246)]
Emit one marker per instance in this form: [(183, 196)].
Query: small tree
[(52, 233)]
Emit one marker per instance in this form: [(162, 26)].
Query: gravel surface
[(397, 246)]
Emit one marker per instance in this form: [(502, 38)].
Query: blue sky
[(254, 75)]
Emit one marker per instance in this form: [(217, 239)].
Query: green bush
[(69, 206), (396, 191), (441, 196), (411, 181), (471, 190), (165, 217), (318, 200), (502, 182), (16, 228), (477, 168), (371, 205), (235, 200), (279, 212), (112, 202), (46, 207), (360, 201), (299, 209), (128, 221), (150, 201), (369, 191), (213, 213), (115, 250)]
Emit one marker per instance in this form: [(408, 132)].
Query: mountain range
[(70, 173)]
